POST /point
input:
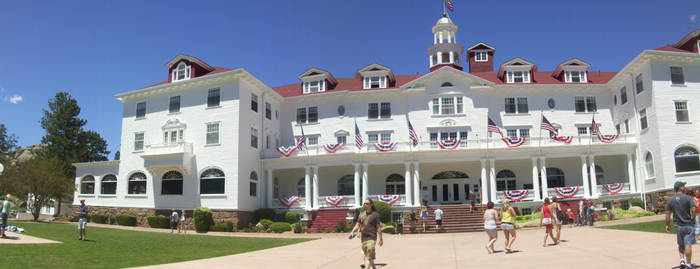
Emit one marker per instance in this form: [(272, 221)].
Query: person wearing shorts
[(82, 219), (546, 219), (174, 221), (490, 217), (369, 227), (507, 220), (438, 219), (423, 216), (5, 211), (683, 208)]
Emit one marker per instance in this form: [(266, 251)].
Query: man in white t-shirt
[(438, 219)]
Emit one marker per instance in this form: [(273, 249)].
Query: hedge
[(126, 220), (98, 218), (291, 217), (159, 222), (263, 213), (266, 223), (112, 220), (229, 226), (280, 227), (383, 209), (203, 218), (218, 227)]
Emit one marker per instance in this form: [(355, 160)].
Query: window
[(374, 82), (378, 137), (212, 133), (639, 83), (448, 105), (518, 77), (267, 142), (649, 164), (312, 140), (446, 84), (173, 136), (510, 105), (141, 110), (617, 128), (174, 104), (212, 181), (555, 177), (342, 139), (575, 76), (643, 118), (213, 97), (268, 111), (505, 181), (681, 111), (307, 115), (582, 130), (521, 108), (254, 137), (315, 86), (346, 185), (301, 187), (385, 111), (253, 184), (253, 102), (518, 132), (138, 141), (585, 104), (172, 183), (481, 56), (623, 95), (182, 72), (686, 159), (627, 126), (373, 111), (677, 75), (599, 174), (395, 184), (137, 183), (87, 185), (109, 185)]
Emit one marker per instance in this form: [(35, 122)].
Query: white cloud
[(693, 17), (15, 99)]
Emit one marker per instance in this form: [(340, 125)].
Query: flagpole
[(540, 141)]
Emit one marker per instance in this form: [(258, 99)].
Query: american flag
[(450, 5), (412, 134), (493, 128), (548, 126), (358, 138), (301, 143), (594, 127)]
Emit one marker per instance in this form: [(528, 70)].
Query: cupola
[(445, 51)]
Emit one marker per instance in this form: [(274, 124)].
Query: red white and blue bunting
[(286, 151), (567, 192), (389, 199), (332, 148), (289, 201), (607, 139), (614, 188), (334, 201), (514, 142), (385, 146), (516, 196), (564, 139), (449, 144)]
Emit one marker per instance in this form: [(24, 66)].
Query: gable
[(446, 74)]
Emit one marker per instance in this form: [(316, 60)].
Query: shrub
[(218, 227), (112, 220), (263, 213), (73, 218), (636, 202), (229, 226), (203, 219), (249, 230), (341, 227), (97, 218), (291, 217), (298, 228), (126, 220), (383, 209), (391, 223), (264, 224), (280, 227), (159, 222)]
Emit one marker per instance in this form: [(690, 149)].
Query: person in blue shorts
[(682, 206)]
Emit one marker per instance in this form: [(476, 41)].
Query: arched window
[(87, 185), (181, 72), (276, 188), (137, 183), (555, 177), (172, 183), (599, 174), (505, 180), (649, 163), (109, 185), (253, 184), (395, 184), (212, 181), (450, 175), (686, 159), (346, 185), (446, 84)]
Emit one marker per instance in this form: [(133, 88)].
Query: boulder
[(637, 209), (389, 229)]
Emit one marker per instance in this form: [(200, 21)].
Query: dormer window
[(575, 76), (182, 72), (375, 82), (315, 86), (481, 56), (518, 77)]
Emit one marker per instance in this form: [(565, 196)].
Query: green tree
[(8, 144), (95, 147), (117, 155)]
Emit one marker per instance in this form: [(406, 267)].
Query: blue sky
[(96, 49)]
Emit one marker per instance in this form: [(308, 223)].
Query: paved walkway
[(20, 238), (582, 247)]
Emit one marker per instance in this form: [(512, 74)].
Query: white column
[(543, 175), (492, 179), (440, 38), (584, 176), (452, 57), (594, 180), (630, 173), (307, 187), (365, 185), (484, 186), (449, 37), (535, 180), (454, 38), (435, 40), (439, 57), (407, 183), (315, 190), (270, 188), (416, 185), (430, 58), (357, 193)]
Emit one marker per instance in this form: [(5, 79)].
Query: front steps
[(455, 218)]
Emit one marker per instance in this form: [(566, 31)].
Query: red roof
[(545, 77), (672, 48), (344, 84), (216, 71)]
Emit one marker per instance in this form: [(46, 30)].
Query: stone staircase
[(455, 218), (327, 219)]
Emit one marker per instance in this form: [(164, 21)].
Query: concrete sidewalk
[(20, 238), (582, 247)]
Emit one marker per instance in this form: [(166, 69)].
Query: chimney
[(480, 57)]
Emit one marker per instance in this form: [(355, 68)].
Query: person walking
[(558, 215), (490, 217), (590, 214), (546, 219), (472, 201), (82, 219), (581, 213), (507, 220), (182, 227), (369, 228), (684, 212), (438, 219), (423, 216), (174, 220), (5, 211), (696, 198)]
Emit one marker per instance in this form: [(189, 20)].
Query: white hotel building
[(208, 136)]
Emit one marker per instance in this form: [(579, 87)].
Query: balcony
[(613, 189), (390, 199), (164, 156)]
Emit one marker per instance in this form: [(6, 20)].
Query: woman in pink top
[(696, 198), (546, 219)]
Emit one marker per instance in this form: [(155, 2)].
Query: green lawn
[(115, 248), (652, 226)]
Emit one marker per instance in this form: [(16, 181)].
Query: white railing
[(564, 192), (275, 203), (400, 202), (349, 201), (501, 195), (610, 190), (164, 149)]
